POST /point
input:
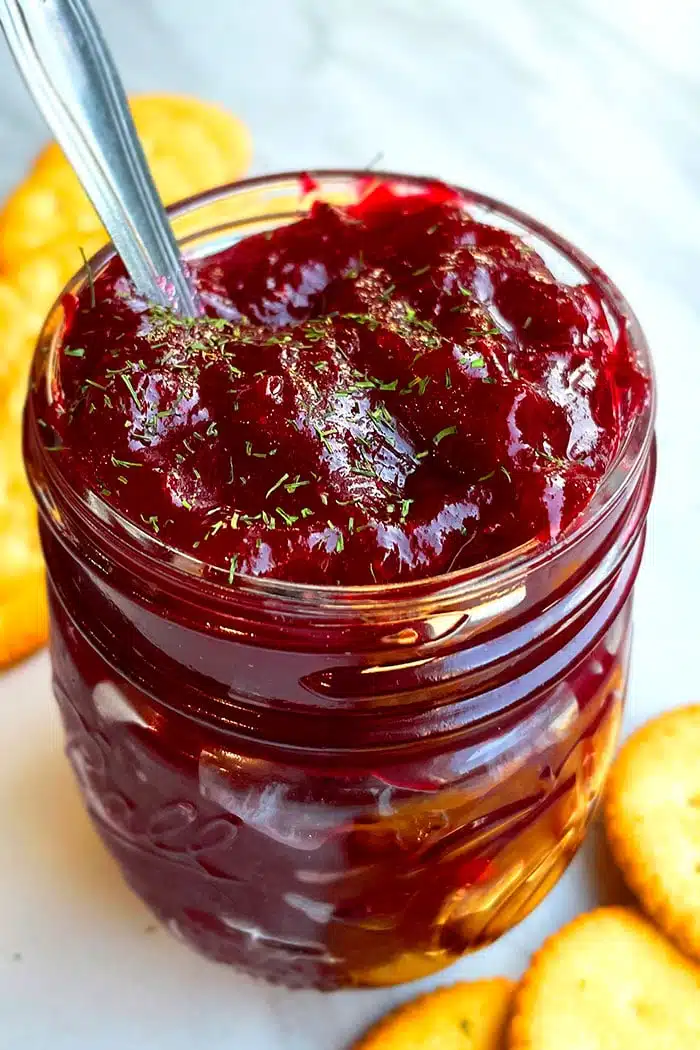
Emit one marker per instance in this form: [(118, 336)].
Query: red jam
[(332, 787), (381, 393)]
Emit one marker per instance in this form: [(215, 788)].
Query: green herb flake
[(485, 477), (130, 387), (448, 379), (442, 434), (280, 481), (77, 351), (233, 562), (323, 435), (364, 319), (306, 512), (421, 270), (506, 472), (152, 521), (124, 462), (288, 519)]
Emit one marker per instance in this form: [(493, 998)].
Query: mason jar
[(330, 786)]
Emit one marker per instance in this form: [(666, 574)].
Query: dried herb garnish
[(233, 563), (280, 481), (442, 434), (124, 462)]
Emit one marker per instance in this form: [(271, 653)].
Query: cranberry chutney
[(340, 574), (382, 392)]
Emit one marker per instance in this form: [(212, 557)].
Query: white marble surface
[(582, 111)]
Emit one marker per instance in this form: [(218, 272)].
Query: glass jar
[(340, 786)]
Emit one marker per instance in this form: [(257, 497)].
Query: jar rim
[(499, 573)]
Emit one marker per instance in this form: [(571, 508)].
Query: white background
[(584, 112)]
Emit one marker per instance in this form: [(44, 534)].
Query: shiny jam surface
[(379, 393), (322, 796)]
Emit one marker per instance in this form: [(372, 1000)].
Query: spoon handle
[(63, 57)]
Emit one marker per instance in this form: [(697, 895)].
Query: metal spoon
[(65, 62)]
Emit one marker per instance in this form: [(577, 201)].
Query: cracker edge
[(29, 613), (382, 1027), (680, 924), (518, 1035)]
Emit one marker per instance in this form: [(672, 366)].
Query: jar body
[(322, 867), (332, 790)]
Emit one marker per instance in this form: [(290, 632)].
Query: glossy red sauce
[(378, 393), (317, 794)]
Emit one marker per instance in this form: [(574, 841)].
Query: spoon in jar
[(65, 62)]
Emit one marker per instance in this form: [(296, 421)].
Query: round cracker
[(466, 1016), (605, 981), (24, 620), (23, 614), (652, 819), (191, 145)]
